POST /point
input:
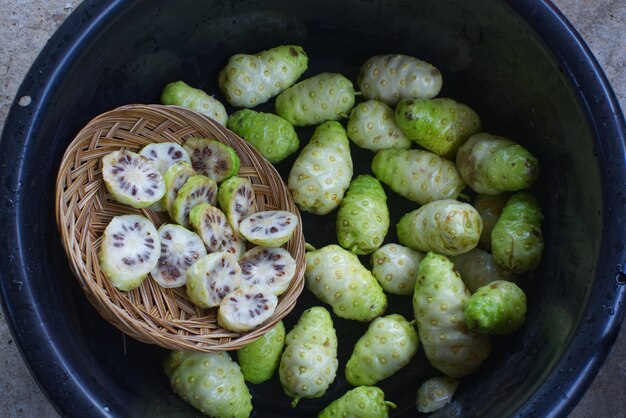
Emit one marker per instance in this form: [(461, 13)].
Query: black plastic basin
[(518, 63)]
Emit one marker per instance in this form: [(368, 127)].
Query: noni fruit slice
[(489, 208), (498, 308), (274, 137), (418, 175), (439, 125), (273, 268), (337, 277), (175, 177), (213, 227), (179, 93), (164, 154), (492, 164), (478, 268), (435, 393), (438, 304), (516, 239), (211, 278), (322, 172), (269, 228), (212, 158), (373, 126), (360, 402), (180, 248), (391, 78), (237, 199), (129, 250), (246, 308), (196, 190), (132, 179), (250, 80), (210, 382), (446, 227), (388, 345), (395, 268), (259, 359), (323, 97), (309, 363), (363, 217)]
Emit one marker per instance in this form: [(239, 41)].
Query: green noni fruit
[(249, 80), (445, 226), (387, 346), (360, 402), (435, 393), (390, 78), (439, 125), (478, 268), (323, 97), (372, 125), (309, 363), (492, 164), (322, 172), (363, 216), (395, 267), (271, 135), (516, 239), (498, 308), (438, 305), (337, 277), (178, 93), (210, 382), (259, 359), (418, 175)]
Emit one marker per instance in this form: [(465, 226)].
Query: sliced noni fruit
[(196, 190), (270, 228), (271, 267), (246, 308), (212, 158), (211, 278), (212, 226)]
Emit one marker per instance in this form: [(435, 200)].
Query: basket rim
[(145, 324)]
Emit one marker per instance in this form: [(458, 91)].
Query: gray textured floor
[(25, 26)]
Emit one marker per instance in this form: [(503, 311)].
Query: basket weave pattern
[(150, 313)]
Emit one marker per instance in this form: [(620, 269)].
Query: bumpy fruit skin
[(249, 80), (323, 97), (363, 216), (178, 93), (259, 359), (435, 393), (438, 304), (498, 308), (387, 346), (360, 402), (373, 126), (321, 174), (492, 164), (210, 382), (478, 268), (516, 239), (390, 78), (489, 208), (395, 267), (337, 277), (445, 226), (418, 175), (439, 125), (271, 135), (309, 363)]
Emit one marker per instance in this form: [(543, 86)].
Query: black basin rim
[(542, 16)]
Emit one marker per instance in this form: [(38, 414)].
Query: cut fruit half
[(246, 308), (271, 228), (180, 248), (164, 154), (130, 249), (212, 158), (132, 179), (211, 278), (196, 190), (270, 267), (237, 200), (175, 178), (213, 227)]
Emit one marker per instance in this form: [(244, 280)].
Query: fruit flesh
[(211, 278), (246, 308)]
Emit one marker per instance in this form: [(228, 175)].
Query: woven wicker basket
[(150, 313)]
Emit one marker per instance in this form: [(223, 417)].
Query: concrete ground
[(25, 25)]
